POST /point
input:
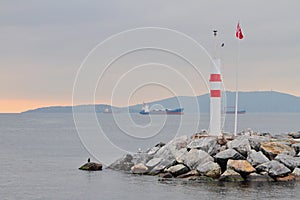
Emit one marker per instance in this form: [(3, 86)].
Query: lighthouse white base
[(215, 117)]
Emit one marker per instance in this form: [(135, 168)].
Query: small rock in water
[(91, 166)]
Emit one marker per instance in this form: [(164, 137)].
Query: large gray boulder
[(207, 144), (210, 169), (194, 157), (169, 150), (289, 161), (177, 170), (141, 157), (257, 158), (274, 169), (125, 163), (241, 145)]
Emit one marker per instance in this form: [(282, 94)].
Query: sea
[(40, 154)]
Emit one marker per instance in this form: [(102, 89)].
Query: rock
[(231, 176), (141, 158), (296, 147), (264, 134), (194, 157), (296, 172), (295, 135), (241, 145), (153, 151), (169, 150), (272, 149), (210, 169), (289, 161), (256, 141), (165, 175), (159, 145), (259, 177), (274, 169), (163, 164), (124, 163), (139, 169), (153, 162), (223, 156), (243, 167), (91, 166), (257, 158), (286, 178), (180, 153), (207, 144), (192, 173), (177, 170)]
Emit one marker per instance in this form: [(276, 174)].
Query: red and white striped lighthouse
[(215, 94)]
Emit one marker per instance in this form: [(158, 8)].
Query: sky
[(47, 55)]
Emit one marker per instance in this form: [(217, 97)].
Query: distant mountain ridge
[(252, 102)]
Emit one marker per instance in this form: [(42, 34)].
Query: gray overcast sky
[(44, 42)]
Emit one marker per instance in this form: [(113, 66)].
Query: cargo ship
[(146, 111)]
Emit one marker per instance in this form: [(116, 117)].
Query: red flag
[(238, 32)]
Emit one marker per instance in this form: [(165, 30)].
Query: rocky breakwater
[(247, 157)]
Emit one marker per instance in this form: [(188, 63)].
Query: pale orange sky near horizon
[(18, 106), (43, 44)]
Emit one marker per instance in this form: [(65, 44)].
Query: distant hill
[(252, 102)]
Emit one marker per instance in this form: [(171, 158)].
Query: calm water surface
[(40, 154)]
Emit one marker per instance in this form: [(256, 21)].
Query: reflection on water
[(237, 190)]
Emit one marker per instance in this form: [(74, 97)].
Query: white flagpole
[(236, 90)]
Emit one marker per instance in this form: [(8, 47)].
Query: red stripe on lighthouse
[(215, 93), (215, 78)]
